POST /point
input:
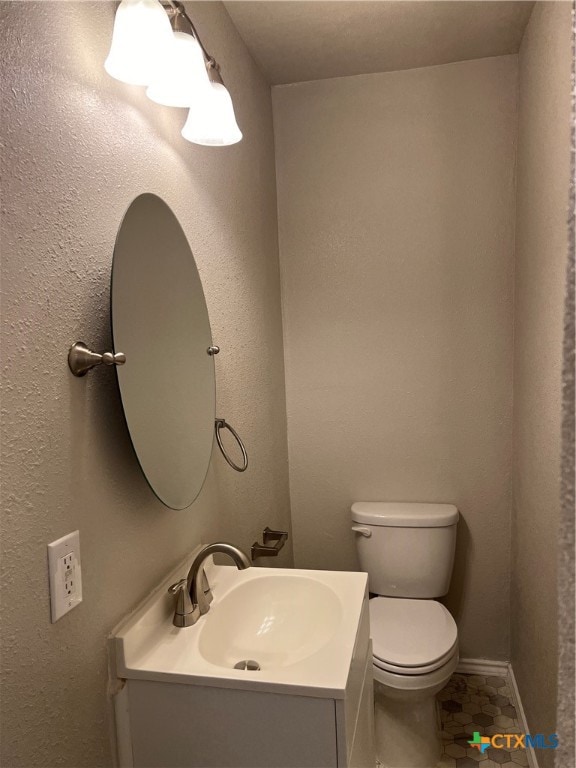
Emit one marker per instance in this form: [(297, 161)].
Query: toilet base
[(407, 717), (407, 729)]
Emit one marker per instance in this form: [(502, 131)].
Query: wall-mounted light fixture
[(156, 45)]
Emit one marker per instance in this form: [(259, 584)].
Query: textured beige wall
[(396, 222), (78, 147), (541, 242)]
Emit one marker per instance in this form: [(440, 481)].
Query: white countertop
[(147, 646)]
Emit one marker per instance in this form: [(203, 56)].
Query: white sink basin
[(299, 626), (275, 620)]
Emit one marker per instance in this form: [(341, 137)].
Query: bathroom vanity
[(180, 701)]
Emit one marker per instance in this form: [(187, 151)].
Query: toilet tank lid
[(404, 514)]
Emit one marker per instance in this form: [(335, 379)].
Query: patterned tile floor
[(477, 703)]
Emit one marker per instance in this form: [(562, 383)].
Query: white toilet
[(408, 552)]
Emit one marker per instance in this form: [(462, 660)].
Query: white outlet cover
[(65, 574)]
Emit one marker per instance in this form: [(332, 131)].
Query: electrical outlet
[(65, 574)]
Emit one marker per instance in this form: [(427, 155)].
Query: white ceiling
[(298, 40)]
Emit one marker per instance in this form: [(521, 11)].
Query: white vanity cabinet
[(182, 721)]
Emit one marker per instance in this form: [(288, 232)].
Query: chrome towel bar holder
[(273, 543)]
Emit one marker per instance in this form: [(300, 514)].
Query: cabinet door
[(192, 726)]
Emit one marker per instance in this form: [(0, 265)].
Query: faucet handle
[(174, 588), (186, 613)]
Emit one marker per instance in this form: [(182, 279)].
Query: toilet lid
[(410, 633)]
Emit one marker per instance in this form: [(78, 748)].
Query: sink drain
[(250, 664)]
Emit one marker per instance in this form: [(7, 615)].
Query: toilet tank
[(407, 549)]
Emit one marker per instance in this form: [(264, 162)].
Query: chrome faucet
[(194, 595)]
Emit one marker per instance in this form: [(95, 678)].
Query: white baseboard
[(504, 668), (482, 667), (522, 722)]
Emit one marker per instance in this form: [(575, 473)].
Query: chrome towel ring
[(223, 424)]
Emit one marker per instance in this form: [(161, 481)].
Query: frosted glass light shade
[(141, 38), (211, 120), (181, 75)]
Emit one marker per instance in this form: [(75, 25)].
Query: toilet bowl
[(415, 652), (408, 551)]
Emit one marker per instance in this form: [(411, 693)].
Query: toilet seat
[(417, 684), (423, 670), (411, 637)]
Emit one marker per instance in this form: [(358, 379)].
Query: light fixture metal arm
[(177, 11)]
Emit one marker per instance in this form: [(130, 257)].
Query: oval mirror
[(160, 322)]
